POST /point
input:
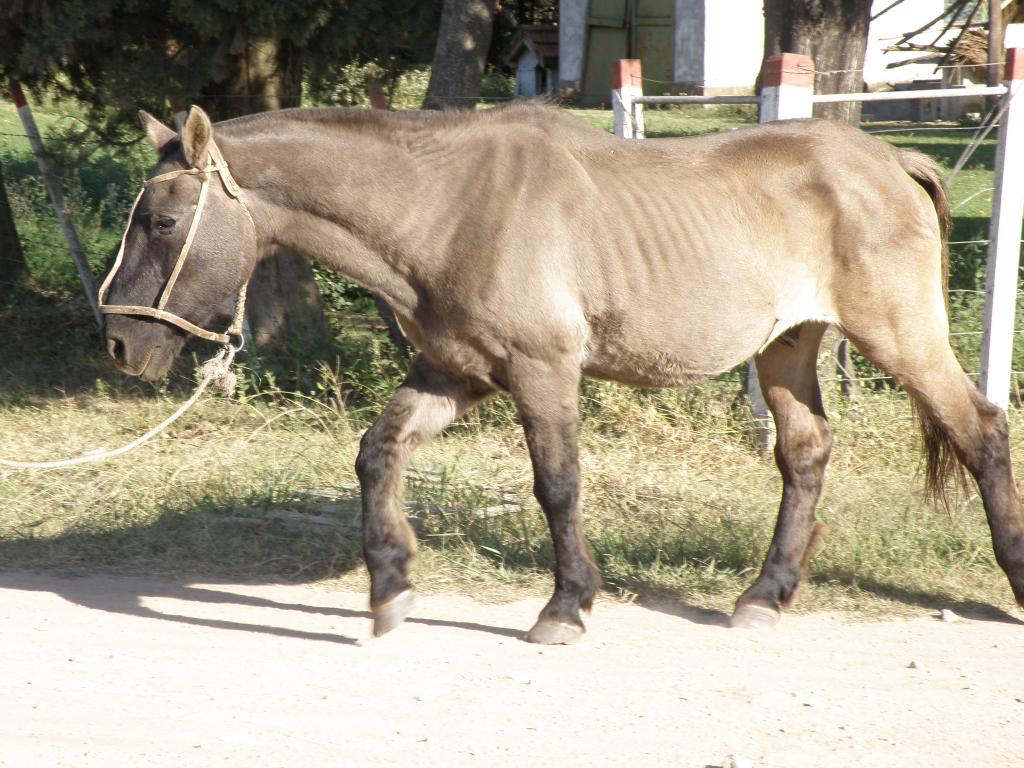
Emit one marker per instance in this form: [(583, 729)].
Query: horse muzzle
[(142, 349)]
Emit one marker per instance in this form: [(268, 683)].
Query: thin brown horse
[(522, 250)]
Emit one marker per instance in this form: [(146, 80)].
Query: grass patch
[(687, 120), (237, 490)]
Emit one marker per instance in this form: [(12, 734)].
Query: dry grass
[(678, 502)]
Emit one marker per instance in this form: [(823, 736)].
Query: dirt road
[(116, 672)]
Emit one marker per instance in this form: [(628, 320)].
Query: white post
[(787, 87), (787, 90), (52, 184), (627, 84), (1005, 231)]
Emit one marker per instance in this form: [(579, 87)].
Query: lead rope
[(217, 375)]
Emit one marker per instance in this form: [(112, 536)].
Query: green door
[(628, 29), (653, 30), (607, 42)]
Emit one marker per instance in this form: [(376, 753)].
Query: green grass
[(98, 194), (690, 120), (678, 502)]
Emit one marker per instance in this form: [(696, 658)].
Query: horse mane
[(539, 114)]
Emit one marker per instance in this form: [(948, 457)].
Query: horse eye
[(163, 225)]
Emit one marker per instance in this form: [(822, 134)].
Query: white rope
[(216, 372)]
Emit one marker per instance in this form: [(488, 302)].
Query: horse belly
[(662, 352), (668, 331)]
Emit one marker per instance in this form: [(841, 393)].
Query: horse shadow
[(308, 546), (127, 596), (302, 556), (971, 610)]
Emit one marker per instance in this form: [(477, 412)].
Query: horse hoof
[(754, 617), (392, 613), (554, 633)]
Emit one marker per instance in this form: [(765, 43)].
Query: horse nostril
[(116, 349)]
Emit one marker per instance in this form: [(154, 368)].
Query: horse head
[(190, 245)]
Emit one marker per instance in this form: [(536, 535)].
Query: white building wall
[(720, 43), (887, 30), (734, 31)]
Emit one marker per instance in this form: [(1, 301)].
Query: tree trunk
[(260, 75), (283, 301), (994, 76), (462, 42), (12, 260), (834, 33)]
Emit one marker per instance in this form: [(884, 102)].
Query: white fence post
[(1005, 231), (627, 84), (787, 87), (787, 90)]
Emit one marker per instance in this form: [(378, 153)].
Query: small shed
[(534, 54)]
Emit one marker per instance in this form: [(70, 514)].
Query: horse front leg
[(547, 398), (426, 402)]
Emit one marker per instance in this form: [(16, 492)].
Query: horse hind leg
[(426, 402), (789, 382), (959, 426)]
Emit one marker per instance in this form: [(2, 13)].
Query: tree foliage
[(116, 56)]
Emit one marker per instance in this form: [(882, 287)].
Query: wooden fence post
[(627, 84), (787, 90), (52, 184), (375, 93), (1005, 231)]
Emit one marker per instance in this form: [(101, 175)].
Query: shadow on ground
[(298, 544), (127, 595)]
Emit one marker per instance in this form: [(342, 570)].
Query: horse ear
[(196, 136), (157, 133)]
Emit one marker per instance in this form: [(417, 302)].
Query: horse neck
[(353, 201)]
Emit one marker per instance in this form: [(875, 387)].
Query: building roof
[(542, 39)]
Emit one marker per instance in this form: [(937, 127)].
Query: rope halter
[(215, 164)]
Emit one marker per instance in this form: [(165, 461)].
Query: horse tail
[(942, 466), (928, 174)]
